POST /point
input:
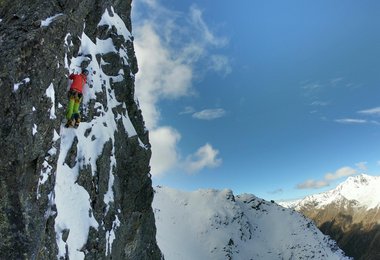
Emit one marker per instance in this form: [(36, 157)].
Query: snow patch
[(129, 128), (22, 82), (112, 19), (55, 136), (49, 20), (34, 130), (110, 235), (51, 94), (44, 175), (73, 204), (105, 46), (100, 47), (52, 151), (109, 196)]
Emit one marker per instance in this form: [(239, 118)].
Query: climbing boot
[(77, 122), (69, 123)]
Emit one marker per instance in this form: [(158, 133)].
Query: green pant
[(73, 107)]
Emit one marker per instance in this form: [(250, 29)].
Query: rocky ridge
[(216, 224), (72, 194), (350, 214)]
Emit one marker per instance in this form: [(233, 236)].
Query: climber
[(75, 97)]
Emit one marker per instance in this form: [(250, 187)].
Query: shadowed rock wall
[(356, 230)]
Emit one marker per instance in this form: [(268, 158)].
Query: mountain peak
[(361, 179), (349, 214), (362, 189)]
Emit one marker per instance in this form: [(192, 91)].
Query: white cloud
[(277, 191), (169, 46), (319, 103), (356, 121), (210, 114), (372, 111), (187, 110), (313, 86), (160, 76), (220, 64), (198, 22), (329, 177), (313, 184), (206, 156), (342, 172), (335, 81), (351, 121), (362, 166), (374, 122), (165, 156)]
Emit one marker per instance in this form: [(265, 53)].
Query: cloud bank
[(331, 176), (169, 45), (372, 111), (164, 149), (367, 112)]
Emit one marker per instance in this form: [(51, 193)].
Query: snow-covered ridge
[(215, 224), (362, 189)]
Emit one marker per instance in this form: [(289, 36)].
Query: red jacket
[(78, 82)]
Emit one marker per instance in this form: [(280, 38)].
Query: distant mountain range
[(350, 214), (215, 224)]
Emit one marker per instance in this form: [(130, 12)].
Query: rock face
[(356, 230), (350, 214), (72, 193)]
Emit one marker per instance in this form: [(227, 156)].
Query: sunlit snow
[(23, 82), (116, 21), (363, 189), (34, 130), (51, 94), (213, 224)]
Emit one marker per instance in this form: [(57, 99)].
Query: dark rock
[(72, 154), (113, 64), (65, 234), (356, 230)]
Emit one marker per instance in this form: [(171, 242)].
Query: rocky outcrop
[(75, 194)]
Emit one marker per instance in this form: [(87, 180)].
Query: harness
[(73, 94)]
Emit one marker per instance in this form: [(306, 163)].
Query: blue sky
[(276, 98)]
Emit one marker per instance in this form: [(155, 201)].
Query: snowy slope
[(212, 224), (75, 213), (363, 190)]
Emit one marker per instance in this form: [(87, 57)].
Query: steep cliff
[(72, 193)]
